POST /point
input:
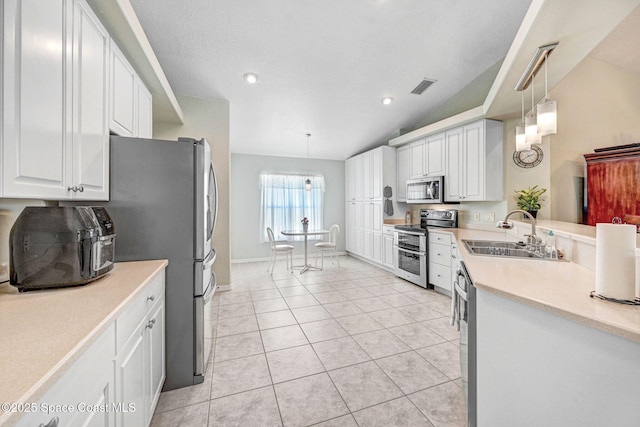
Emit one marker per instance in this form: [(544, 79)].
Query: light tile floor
[(346, 346)]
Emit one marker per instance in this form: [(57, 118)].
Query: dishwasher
[(463, 316)]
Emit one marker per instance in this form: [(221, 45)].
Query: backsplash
[(476, 215)]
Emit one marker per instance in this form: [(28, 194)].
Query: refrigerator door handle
[(201, 305), (211, 258)]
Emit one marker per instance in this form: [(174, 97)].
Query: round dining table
[(306, 266)]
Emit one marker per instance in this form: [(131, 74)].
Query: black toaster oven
[(52, 247)]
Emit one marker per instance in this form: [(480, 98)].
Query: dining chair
[(287, 250), (329, 246)]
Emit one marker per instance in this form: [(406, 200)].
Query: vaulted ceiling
[(324, 66)]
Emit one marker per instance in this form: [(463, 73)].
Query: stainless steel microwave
[(426, 190)]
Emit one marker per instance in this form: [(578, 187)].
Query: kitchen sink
[(501, 249)]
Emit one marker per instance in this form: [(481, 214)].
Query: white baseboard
[(375, 264), (223, 288)]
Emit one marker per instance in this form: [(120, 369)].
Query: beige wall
[(209, 118), (517, 178), (598, 106)]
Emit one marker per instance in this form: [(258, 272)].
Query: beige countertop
[(560, 288), (43, 332)]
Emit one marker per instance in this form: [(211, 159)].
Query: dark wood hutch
[(613, 183)]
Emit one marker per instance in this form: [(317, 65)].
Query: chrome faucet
[(532, 239)]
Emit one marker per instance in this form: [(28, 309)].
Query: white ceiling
[(324, 66)]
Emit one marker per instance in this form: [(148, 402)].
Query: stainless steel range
[(411, 257)]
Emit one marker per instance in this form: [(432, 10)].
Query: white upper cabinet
[(367, 175), (130, 112), (144, 122), (59, 65), (435, 155), (350, 175), (474, 162), (90, 148), (403, 165), (54, 138), (35, 131), (427, 156), (359, 166), (123, 94), (417, 155)]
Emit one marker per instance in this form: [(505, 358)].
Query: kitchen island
[(44, 333), (548, 353)]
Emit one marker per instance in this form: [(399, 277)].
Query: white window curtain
[(284, 202)]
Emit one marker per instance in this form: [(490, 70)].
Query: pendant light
[(307, 183), (531, 121), (521, 142), (547, 110)]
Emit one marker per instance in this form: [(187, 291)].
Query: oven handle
[(411, 252), (413, 233)]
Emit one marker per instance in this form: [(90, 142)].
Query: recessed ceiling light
[(251, 77), (387, 100)]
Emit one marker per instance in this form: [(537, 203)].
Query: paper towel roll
[(616, 261)]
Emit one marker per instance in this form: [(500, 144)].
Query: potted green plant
[(529, 199)]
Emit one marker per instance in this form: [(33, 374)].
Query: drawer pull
[(439, 275), (151, 298), (151, 323), (53, 423)]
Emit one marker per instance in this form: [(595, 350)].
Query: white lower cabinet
[(372, 230), (73, 398), (387, 245), (140, 367), (440, 260), (367, 175), (117, 381)]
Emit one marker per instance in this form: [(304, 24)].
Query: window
[(284, 202)]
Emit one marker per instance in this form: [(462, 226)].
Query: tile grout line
[(251, 292)]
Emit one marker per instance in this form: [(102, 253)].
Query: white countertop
[(560, 288), (43, 332)]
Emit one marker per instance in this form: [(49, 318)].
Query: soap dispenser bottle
[(550, 249)]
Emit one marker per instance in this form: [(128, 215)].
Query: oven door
[(411, 265), (415, 242)]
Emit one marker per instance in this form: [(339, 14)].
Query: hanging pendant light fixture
[(307, 183), (521, 141), (531, 121), (547, 110)]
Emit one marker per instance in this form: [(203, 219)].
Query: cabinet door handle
[(76, 188), (53, 423), (151, 323), (151, 298)]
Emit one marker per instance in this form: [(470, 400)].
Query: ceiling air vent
[(422, 86)]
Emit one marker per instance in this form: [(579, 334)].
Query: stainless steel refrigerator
[(163, 202)]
